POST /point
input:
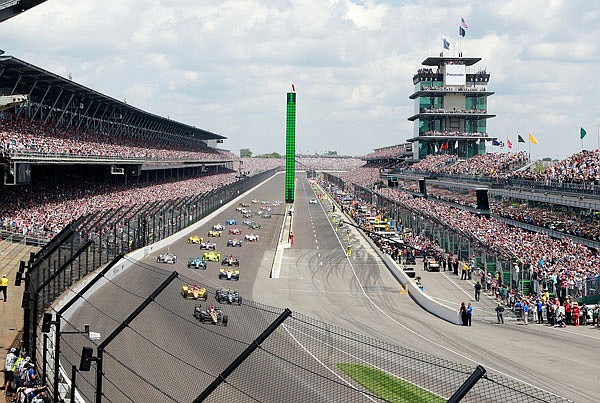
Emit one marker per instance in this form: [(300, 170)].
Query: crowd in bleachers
[(490, 164), (386, 152), (434, 163), (336, 163), (252, 166), (559, 265), (582, 167), (453, 133), (362, 176), (24, 136), (454, 110), (46, 211)]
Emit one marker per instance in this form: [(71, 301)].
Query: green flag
[(582, 133)]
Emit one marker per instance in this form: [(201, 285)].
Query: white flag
[(456, 144)]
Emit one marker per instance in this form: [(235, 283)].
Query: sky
[(225, 66)]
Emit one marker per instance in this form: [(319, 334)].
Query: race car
[(195, 239), (230, 261), (254, 225), (235, 231), (208, 246), (267, 215), (247, 215), (229, 296), (260, 213), (244, 204), (228, 273), (212, 315), (254, 201), (193, 292), (312, 201), (234, 242), (247, 222), (217, 227), (196, 263), (231, 221), (211, 256), (214, 233), (251, 237), (166, 258)]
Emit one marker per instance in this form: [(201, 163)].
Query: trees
[(245, 153)]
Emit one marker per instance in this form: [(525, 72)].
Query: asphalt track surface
[(317, 279)]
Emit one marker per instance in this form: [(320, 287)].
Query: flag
[(461, 31), (444, 146), (456, 144), (509, 143), (445, 43), (435, 148), (533, 139), (293, 88), (521, 139), (478, 141), (463, 23), (495, 142), (582, 133)]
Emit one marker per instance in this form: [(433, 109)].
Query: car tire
[(239, 302)]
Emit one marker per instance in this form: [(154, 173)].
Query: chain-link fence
[(93, 240), (304, 360)]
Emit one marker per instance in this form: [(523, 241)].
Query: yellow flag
[(533, 139)]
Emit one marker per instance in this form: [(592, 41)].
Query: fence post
[(467, 385)]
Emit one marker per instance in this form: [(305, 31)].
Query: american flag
[(463, 23)]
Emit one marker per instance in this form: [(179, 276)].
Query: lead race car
[(212, 315), (166, 258)]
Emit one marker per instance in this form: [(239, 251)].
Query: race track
[(165, 355)]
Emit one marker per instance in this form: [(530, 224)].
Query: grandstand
[(119, 152)]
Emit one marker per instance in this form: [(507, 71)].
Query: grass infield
[(386, 386)]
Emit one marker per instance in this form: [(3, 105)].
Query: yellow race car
[(229, 273), (211, 256), (194, 292), (195, 239), (213, 233)]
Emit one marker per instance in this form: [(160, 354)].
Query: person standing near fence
[(463, 313), (477, 291), (469, 314), (4, 286), (540, 312), (500, 313), (525, 312)]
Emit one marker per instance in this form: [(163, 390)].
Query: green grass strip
[(387, 386)]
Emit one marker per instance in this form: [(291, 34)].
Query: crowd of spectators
[(490, 164), (454, 89), (386, 152), (453, 133), (453, 110), (363, 176), (556, 265), (434, 163), (582, 167), (252, 166), (45, 211), (333, 163), (20, 135)]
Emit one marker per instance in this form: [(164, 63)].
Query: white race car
[(166, 258), (217, 227), (313, 201), (251, 237)]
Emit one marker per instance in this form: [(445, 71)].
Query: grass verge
[(387, 386)]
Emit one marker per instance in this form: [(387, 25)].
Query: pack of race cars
[(230, 265)]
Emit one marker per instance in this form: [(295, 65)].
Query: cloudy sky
[(225, 66)]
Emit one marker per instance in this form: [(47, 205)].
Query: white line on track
[(456, 285), (420, 335), (578, 334), (323, 364)]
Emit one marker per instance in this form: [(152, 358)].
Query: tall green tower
[(290, 147)]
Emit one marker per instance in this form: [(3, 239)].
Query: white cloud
[(225, 66)]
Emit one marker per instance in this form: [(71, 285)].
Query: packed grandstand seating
[(550, 258), (491, 164), (434, 163), (582, 167), (19, 135), (251, 166), (46, 211), (387, 152)]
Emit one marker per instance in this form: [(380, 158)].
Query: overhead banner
[(456, 74)]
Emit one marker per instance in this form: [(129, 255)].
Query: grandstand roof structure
[(11, 8), (51, 90)]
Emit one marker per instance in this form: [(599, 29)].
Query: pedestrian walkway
[(11, 313)]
